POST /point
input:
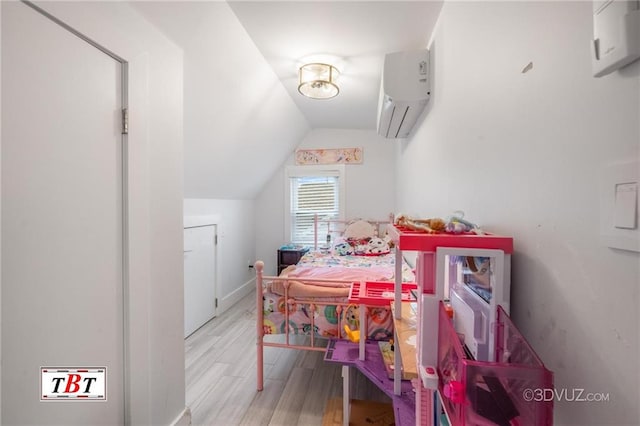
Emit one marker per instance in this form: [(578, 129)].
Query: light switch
[(619, 224), (626, 205)]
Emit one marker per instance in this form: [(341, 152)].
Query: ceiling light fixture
[(318, 81)]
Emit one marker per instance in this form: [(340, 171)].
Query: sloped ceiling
[(239, 122), (353, 36), (243, 115)]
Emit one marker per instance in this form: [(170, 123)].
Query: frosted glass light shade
[(318, 81)]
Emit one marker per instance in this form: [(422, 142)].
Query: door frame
[(124, 147)]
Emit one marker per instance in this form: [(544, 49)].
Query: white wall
[(236, 246), (369, 186), (155, 380), (521, 153), (239, 121)]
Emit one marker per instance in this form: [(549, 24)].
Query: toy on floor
[(353, 335)]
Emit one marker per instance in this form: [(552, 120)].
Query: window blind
[(311, 195)]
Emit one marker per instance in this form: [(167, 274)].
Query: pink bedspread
[(323, 266), (372, 268), (339, 272)]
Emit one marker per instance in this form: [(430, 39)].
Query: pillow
[(359, 230), (351, 246), (361, 247), (378, 246)]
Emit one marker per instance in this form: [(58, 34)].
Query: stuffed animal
[(455, 227), (362, 247), (378, 246), (343, 249), (430, 226), (353, 335), (352, 316), (352, 323)]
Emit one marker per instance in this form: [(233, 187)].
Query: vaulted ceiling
[(243, 115)]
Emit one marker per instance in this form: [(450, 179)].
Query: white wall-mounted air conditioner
[(404, 92), (616, 35)]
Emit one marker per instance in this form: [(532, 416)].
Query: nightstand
[(289, 257)]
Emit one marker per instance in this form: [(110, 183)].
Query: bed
[(311, 297)]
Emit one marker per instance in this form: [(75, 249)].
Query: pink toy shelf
[(373, 293), (481, 371), (420, 241), (502, 392)]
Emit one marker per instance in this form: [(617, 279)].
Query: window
[(312, 190)]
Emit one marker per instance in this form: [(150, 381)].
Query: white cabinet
[(199, 276)]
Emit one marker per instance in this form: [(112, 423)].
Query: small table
[(288, 257)]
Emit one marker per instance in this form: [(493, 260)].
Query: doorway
[(63, 227), (200, 302)]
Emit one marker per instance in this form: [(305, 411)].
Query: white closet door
[(199, 277), (62, 228)]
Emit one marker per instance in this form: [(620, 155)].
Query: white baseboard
[(235, 296), (184, 419)]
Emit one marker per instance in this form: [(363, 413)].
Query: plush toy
[(352, 316), (436, 224), (353, 335), (378, 246), (352, 319), (362, 247), (358, 230), (457, 225), (430, 226), (343, 249)]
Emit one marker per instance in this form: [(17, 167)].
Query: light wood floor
[(221, 377)]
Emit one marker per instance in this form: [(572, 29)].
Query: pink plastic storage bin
[(504, 392)]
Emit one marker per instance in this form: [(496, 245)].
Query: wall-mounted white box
[(625, 210), (616, 35), (619, 184)]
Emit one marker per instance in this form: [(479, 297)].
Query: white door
[(199, 277), (62, 226)]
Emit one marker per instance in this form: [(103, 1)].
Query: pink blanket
[(373, 273), (318, 266)]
